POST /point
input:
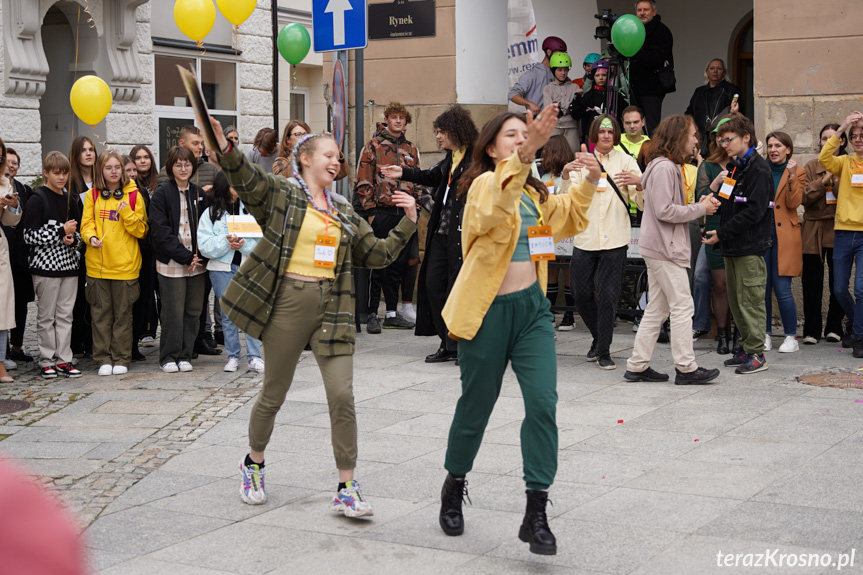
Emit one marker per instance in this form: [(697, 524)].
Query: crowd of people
[(110, 247)]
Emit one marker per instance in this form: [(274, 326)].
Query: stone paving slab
[(776, 465)]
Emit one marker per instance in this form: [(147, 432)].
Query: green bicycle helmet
[(560, 60), (591, 58)]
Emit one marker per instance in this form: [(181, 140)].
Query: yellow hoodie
[(119, 258), (849, 208)]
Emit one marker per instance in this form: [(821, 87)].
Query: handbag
[(666, 77)]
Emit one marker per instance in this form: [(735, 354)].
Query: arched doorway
[(742, 63), (58, 121), (63, 21)]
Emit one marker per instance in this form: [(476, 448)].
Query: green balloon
[(627, 35), (294, 43)]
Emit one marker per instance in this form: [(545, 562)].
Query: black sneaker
[(373, 325), (398, 322), (20, 355), (700, 376), (567, 323), (605, 362), (847, 339), (858, 347), (442, 355), (648, 374), (755, 362), (591, 354), (739, 358), (696, 333), (67, 370)]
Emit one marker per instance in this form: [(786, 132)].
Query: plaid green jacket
[(249, 298)]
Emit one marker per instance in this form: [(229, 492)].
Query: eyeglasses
[(113, 168), (856, 137), (183, 166), (727, 141), (298, 134)]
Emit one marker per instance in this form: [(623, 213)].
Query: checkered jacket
[(49, 256), (279, 206)]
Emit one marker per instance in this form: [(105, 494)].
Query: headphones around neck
[(118, 194), (741, 162)]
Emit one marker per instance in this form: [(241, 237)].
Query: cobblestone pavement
[(652, 478)]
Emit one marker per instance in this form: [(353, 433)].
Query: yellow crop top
[(303, 259)]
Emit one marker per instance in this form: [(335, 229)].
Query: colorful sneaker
[(48, 372), (67, 370), (252, 490), (754, 363), (350, 502)]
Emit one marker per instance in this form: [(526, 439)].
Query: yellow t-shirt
[(690, 174), (303, 258)]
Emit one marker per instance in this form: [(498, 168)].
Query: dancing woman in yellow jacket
[(114, 219), (499, 312)]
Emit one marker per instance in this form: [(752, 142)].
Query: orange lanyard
[(326, 225)]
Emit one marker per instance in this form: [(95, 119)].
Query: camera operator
[(646, 65), (527, 91)]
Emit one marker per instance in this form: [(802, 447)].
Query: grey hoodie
[(665, 224)]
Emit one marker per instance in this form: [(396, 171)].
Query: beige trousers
[(296, 319), (668, 285), (55, 300)]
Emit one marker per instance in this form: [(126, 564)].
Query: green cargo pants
[(746, 278), (517, 328)]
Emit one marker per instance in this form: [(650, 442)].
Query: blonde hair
[(98, 175)]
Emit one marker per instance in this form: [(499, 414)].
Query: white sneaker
[(9, 364), (350, 502), (256, 364), (768, 343), (148, 341), (809, 340), (120, 370), (184, 366), (233, 364), (834, 337), (170, 367), (106, 369), (409, 312), (789, 345)]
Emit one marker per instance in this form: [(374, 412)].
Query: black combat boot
[(451, 497), (722, 341), (534, 528)]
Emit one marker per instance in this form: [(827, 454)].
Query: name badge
[(550, 187), (830, 197), (540, 242), (857, 177), (244, 227), (727, 188), (602, 185), (325, 252)]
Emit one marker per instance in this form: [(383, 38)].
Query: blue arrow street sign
[(340, 24)]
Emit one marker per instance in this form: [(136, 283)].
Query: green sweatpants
[(517, 328), (746, 278)]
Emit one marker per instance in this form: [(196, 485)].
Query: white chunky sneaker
[(350, 502), (106, 369)]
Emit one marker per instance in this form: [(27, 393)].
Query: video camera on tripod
[(603, 31)]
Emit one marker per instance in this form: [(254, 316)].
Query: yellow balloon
[(91, 99), (195, 18), (236, 11)]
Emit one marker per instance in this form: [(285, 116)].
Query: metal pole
[(275, 14), (359, 103)]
